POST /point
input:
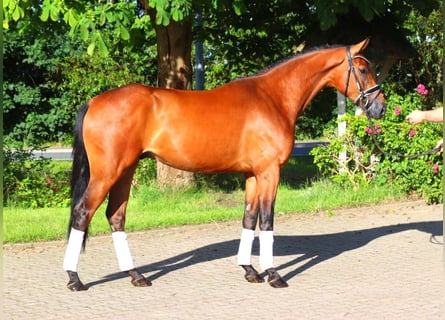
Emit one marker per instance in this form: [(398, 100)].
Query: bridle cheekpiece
[(363, 97)]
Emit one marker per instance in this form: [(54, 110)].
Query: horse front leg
[(115, 212), (248, 233), (267, 190)]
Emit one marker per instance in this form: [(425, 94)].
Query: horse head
[(360, 83)]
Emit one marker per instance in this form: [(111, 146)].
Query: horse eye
[(362, 70)]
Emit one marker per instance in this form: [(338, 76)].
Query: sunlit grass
[(152, 208), (325, 195)]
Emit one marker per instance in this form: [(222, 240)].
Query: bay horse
[(245, 126)]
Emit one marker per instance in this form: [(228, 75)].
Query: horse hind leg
[(115, 212), (82, 213)]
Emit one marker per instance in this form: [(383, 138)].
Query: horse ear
[(359, 47)]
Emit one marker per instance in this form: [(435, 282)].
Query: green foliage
[(365, 164), (85, 76), (278, 29), (145, 174), (327, 10), (33, 112), (426, 36), (34, 183), (47, 81), (177, 10)]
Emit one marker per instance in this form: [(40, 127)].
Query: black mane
[(296, 55)]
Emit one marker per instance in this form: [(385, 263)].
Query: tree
[(174, 43)]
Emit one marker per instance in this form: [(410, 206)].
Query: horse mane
[(297, 55)]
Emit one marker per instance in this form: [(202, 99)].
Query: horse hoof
[(278, 283), (76, 286), (137, 279), (275, 280), (252, 275), (253, 278), (142, 282), (74, 283)]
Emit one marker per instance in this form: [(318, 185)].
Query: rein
[(396, 154), (364, 94)]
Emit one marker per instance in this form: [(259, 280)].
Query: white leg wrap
[(122, 251), (266, 250), (245, 247), (73, 249)]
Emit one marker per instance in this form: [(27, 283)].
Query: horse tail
[(80, 174)]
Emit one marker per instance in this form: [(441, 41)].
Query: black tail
[(80, 174)]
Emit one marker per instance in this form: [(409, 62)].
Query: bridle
[(363, 99)]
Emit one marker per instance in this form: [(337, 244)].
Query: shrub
[(34, 183), (386, 164), (145, 174)]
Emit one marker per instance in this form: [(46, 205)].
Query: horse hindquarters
[(101, 165)]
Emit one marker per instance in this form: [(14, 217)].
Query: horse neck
[(294, 83)]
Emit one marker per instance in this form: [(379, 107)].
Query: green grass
[(153, 208), (325, 195)]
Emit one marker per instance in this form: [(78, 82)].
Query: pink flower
[(412, 133), (397, 111), (421, 89), (436, 168), (377, 129)]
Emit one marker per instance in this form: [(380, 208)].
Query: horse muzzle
[(376, 109), (372, 102)]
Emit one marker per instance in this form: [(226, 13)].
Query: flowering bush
[(363, 162), (34, 183)]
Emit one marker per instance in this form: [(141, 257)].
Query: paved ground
[(380, 262)]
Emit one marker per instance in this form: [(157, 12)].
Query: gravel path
[(379, 262)]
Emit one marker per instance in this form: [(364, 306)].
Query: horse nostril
[(378, 110)]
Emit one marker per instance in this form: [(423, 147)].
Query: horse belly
[(200, 155)]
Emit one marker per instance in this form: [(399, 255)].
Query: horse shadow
[(313, 249)]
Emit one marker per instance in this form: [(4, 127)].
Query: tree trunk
[(174, 45)]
